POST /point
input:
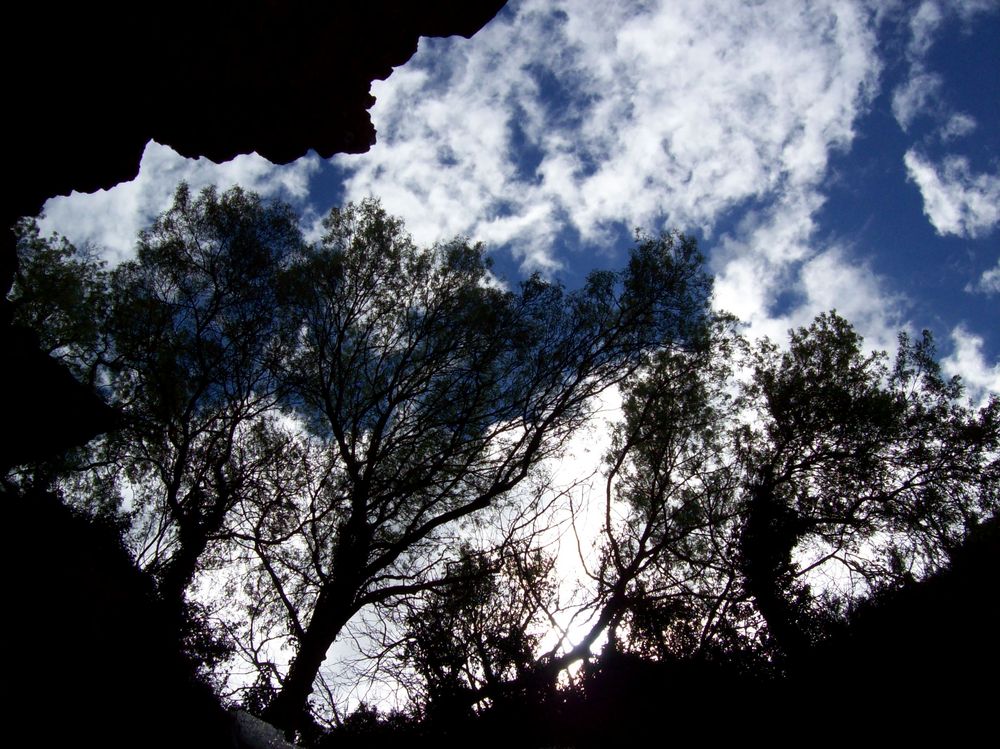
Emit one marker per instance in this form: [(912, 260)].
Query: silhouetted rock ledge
[(92, 83)]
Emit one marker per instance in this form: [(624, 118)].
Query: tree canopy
[(761, 511), (313, 434)]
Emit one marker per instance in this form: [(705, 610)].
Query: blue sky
[(835, 153)]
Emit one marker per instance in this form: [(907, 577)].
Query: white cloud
[(931, 14), (111, 219), (667, 113), (657, 112), (920, 93), (834, 279), (915, 97), (775, 279), (981, 378), (645, 113), (988, 283), (958, 125), (956, 200), (923, 27)]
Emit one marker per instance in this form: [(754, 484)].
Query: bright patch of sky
[(837, 153)]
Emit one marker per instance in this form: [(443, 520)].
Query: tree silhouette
[(879, 472), (197, 331), (481, 631), (182, 340), (668, 573), (61, 293), (336, 415), (788, 497), (436, 394), (355, 430)]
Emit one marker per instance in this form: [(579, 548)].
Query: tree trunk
[(767, 543), (289, 709), (334, 607), (179, 571)]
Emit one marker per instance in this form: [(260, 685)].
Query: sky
[(827, 154)]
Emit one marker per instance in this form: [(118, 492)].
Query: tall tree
[(437, 394), (667, 574), (197, 329), (481, 632), (183, 340), (61, 293), (870, 473), (58, 304), (785, 497)]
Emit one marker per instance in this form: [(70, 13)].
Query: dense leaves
[(60, 292), (345, 441), (764, 509), (196, 331), (436, 395), (323, 422)]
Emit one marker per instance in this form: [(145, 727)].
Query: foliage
[(481, 631), (197, 329), (842, 477), (334, 417), (60, 292), (341, 428), (182, 341), (436, 395)]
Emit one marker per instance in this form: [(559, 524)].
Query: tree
[(843, 477), (60, 292), (415, 395), (871, 473), (435, 395), (183, 341), (667, 573), (57, 302), (197, 329), (338, 426), (481, 631)]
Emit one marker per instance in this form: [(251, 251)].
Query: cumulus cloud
[(956, 200), (561, 122), (652, 113), (929, 15), (787, 282), (924, 24), (835, 279), (111, 219), (988, 283), (981, 378)]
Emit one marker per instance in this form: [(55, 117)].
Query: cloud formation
[(643, 114), (655, 114), (916, 96), (967, 360), (920, 93), (957, 126), (956, 200), (564, 122), (988, 283)]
